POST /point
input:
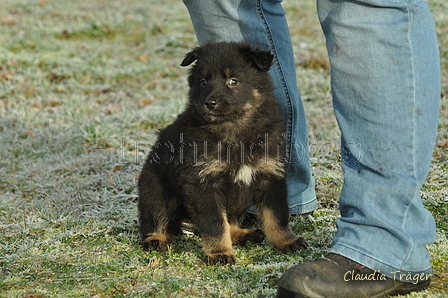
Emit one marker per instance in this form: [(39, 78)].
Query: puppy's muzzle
[(210, 103)]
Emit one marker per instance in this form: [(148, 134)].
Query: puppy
[(223, 154)]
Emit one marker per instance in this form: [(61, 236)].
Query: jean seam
[(290, 118), (409, 40)]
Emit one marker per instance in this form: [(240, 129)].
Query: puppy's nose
[(211, 103)]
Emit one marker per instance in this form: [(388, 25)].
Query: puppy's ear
[(262, 59), (191, 57)]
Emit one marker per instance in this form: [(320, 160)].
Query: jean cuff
[(301, 201), (304, 207), (372, 263)]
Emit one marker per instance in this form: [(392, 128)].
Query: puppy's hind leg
[(242, 236), (156, 212)]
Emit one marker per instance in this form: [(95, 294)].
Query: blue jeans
[(385, 80), (264, 25)]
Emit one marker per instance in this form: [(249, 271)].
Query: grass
[(84, 86)]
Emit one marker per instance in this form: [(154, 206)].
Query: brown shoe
[(336, 276)]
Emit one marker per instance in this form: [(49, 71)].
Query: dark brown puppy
[(224, 153)]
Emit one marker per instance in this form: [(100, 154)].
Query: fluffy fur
[(223, 154)]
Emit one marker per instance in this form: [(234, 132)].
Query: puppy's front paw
[(155, 242), (220, 259), (294, 245)]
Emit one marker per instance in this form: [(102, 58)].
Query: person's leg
[(386, 90), (263, 24)]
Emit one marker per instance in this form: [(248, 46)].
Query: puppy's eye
[(232, 82), (203, 82)]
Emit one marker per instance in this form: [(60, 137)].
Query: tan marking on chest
[(248, 172), (210, 169), (245, 174)]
